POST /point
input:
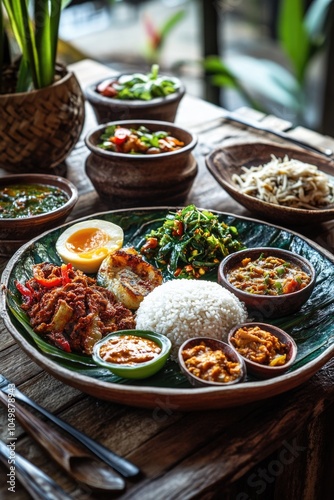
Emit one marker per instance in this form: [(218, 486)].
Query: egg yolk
[(86, 241)]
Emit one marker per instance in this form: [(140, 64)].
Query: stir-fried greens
[(190, 243), (139, 86)]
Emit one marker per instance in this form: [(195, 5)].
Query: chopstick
[(234, 117), (81, 465), (34, 480), (123, 466)]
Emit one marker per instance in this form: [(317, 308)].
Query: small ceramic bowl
[(268, 306), (107, 109), (264, 370), (132, 180), (16, 231), (136, 370), (215, 345)]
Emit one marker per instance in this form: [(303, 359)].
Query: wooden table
[(278, 448)]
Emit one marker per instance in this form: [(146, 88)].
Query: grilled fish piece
[(128, 276)]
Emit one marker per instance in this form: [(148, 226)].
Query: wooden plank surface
[(206, 454)]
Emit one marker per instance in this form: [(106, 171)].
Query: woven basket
[(38, 129)]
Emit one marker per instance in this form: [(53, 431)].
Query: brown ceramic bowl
[(224, 162), (127, 180), (268, 306), (214, 344), (16, 231), (107, 109), (262, 370)]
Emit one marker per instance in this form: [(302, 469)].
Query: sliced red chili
[(64, 273), (121, 134), (26, 292), (48, 282), (60, 341)]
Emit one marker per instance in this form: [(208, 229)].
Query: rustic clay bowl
[(126, 180), (226, 161), (14, 232), (266, 371), (107, 109), (215, 344), (268, 306)]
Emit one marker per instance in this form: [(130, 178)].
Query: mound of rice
[(182, 309)]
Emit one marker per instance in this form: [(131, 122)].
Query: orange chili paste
[(129, 350), (260, 346), (209, 364)]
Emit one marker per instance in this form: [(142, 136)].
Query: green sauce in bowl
[(25, 200)]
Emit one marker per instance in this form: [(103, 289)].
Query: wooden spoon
[(82, 466)]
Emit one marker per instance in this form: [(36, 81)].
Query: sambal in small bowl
[(268, 351), (132, 354), (210, 362)]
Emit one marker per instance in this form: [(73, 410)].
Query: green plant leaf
[(293, 36), (268, 79), (171, 23), (316, 19), (36, 33)]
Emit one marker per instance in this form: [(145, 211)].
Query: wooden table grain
[(278, 448)]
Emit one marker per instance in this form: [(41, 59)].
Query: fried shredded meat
[(75, 315)]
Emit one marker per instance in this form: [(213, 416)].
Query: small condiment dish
[(136, 370), (15, 231), (213, 345), (262, 306), (263, 370)]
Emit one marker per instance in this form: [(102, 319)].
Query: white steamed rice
[(182, 309)]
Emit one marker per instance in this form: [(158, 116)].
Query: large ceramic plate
[(224, 162), (312, 327)]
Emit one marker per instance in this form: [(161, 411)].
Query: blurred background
[(272, 55)]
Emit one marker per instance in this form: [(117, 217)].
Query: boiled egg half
[(86, 244)]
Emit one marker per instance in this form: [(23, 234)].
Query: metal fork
[(123, 466), (35, 481)]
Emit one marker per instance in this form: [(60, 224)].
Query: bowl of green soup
[(31, 204)]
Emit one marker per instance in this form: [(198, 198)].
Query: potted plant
[(41, 103)]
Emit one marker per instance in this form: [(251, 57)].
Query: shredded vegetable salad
[(190, 243)]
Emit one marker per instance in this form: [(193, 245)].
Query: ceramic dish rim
[(180, 398)]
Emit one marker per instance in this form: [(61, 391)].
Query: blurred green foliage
[(301, 36)]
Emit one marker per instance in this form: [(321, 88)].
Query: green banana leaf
[(312, 327)]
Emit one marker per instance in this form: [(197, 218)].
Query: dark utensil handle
[(278, 133), (123, 466), (35, 481)]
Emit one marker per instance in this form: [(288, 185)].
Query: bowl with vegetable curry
[(31, 204), (141, 163), (271, 282)]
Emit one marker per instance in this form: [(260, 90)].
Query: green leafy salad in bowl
[(143, 86)]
